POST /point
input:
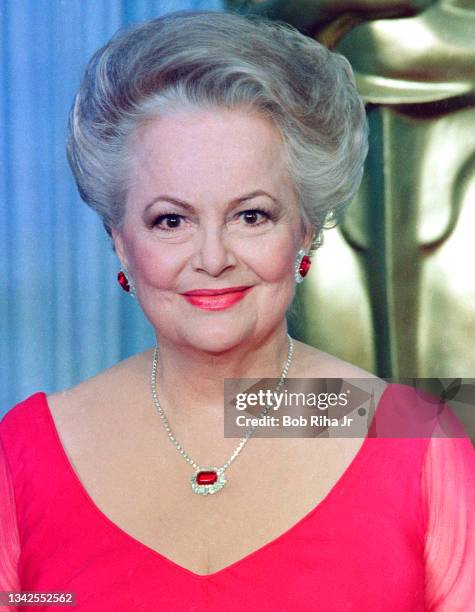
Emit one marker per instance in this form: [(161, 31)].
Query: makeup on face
[(212, 226), (169, 217), (219, 299)]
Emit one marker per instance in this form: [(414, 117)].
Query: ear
[(119, 247), (308, 237)]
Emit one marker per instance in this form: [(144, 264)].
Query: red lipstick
[(216, 299)]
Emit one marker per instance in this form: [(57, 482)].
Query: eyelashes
[(253, 213), (171, 222), (173, 217)]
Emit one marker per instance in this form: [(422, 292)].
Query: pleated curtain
[(63, 317)]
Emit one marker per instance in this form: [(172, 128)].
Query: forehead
[(207, 154)]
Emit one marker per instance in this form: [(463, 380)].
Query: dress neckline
[(243, 560)]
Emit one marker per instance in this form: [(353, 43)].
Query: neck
[(190, 380)]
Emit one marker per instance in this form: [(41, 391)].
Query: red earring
[(302, 265), (127, 284), (123, 282)]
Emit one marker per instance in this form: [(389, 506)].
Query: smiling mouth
[(219, 301)]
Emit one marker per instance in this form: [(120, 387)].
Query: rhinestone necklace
[(208, 480)]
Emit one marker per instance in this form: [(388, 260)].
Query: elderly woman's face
[(211, 207)]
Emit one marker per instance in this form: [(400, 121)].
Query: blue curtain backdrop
[(63, 316)]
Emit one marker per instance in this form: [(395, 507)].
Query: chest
[(271, 486), (110, 514)]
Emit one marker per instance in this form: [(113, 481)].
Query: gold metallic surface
[(393, 289), (311, 15), (424, 58)]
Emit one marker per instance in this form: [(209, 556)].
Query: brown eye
[(254, 216), (168, 222)]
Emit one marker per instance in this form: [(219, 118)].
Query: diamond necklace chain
[(215, 486)]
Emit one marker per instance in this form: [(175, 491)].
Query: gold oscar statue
[(392, 289)]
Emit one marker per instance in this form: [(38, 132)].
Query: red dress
[(395, 533)]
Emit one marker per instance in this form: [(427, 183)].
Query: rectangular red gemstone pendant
[(206, 481), (206, 478)]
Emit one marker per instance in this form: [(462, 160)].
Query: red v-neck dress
[(395, 533)]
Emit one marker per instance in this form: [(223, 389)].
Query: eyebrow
[(190, 208)]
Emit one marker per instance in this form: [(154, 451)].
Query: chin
[(217, 338)]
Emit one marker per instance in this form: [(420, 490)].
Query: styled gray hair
[(207, 59)]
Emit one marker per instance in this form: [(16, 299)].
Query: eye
[(172, 222), (254, 217)]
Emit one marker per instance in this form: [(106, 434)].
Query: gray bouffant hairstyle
[(208, 59)]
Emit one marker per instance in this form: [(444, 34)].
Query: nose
[(212, 253)]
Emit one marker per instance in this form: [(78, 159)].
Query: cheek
[(153, 267), (274, 262), (271, 258)]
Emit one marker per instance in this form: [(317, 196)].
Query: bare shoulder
[(314, 363), (119, 384)]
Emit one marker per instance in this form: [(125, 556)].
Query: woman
[(214, 148)]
